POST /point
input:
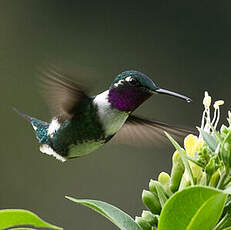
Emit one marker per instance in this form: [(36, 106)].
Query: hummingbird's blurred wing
[(62, 93), (138, 131)]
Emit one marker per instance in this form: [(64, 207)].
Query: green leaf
[(209, 139), (115, 215), (183, 157), (193, 208), (23, 229), (19, 217), (229, 228)]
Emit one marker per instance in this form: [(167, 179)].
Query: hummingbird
[(84, 123)]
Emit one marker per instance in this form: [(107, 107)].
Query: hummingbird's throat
[(127, 99)]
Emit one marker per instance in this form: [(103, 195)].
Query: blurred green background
[(182, 45)]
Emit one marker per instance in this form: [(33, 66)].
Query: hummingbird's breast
[(111, 118)]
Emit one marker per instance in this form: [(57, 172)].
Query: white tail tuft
[(44, 148)]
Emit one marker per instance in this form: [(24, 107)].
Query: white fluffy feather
[(112, 119), (53, 127), (44, 148)]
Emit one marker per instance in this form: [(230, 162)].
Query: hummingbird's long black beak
[(165, 91)]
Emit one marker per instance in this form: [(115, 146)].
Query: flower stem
[(224, 222), (208, 177), (227, 181), (220, 184)]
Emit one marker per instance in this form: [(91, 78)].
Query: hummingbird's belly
[(83, 148), (78, 137)]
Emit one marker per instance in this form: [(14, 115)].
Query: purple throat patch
[(127, 99)]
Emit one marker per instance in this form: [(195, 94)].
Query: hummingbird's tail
[(39, 126), (25, 116), (42, 134)]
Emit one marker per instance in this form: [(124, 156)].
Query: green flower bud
[(204, 155), (150, 218), (214, 179), (177, 172), (211, 166), (164, 178), (161, 193), (152, 187), (143, 223), (151, 201)]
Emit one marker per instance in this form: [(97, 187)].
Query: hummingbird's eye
[(132, 81)]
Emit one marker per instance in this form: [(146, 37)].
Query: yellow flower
[(193, 145)]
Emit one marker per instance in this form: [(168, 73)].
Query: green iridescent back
[(83, 127)]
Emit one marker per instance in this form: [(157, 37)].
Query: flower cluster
[(205, 160)]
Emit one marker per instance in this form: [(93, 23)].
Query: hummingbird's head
[(131, 88)]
